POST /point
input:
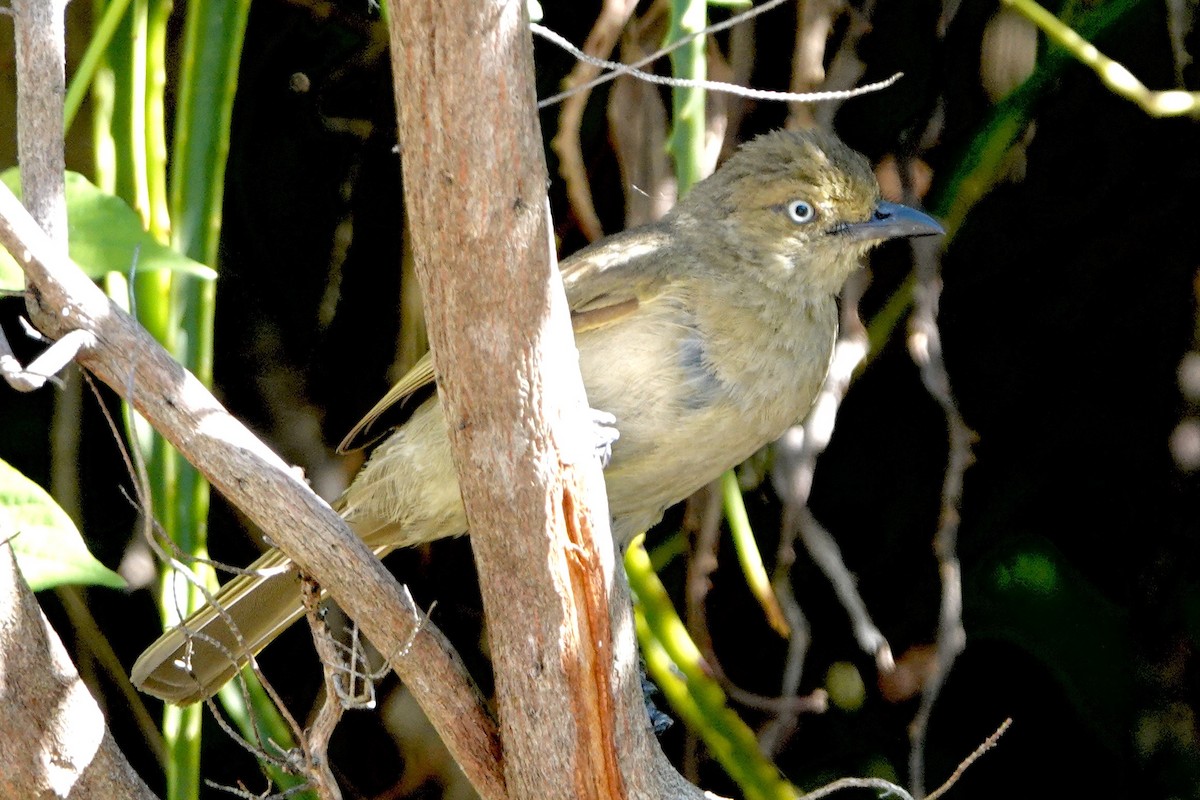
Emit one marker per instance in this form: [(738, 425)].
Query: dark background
[(1068, 304)]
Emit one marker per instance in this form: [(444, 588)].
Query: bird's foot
[(659, 721), (604, 427)]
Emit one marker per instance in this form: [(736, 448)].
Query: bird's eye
[(801, 212)]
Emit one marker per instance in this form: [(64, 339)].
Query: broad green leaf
[(104, 235), (49, 549)]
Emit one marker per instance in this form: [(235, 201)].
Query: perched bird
[(706, 334)]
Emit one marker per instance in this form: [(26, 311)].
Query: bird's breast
[(695, 393)]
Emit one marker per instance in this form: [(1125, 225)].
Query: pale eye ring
[(801, 211)]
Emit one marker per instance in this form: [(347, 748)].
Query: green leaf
[(103, 235), (11, 276), (49, 549)]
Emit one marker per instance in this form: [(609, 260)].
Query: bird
[(705, 334)]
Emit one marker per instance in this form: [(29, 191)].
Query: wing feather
[(418, 378), (605, 283)]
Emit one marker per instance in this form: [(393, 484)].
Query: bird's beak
[(892, 221)]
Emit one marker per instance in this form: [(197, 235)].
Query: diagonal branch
[(62, 299)]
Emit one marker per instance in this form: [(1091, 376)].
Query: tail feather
[(196, 658)]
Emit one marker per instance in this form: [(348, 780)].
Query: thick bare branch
[(475, 189), (573, 720), (41, 59)]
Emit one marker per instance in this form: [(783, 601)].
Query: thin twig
[(712, 86), (823, 550), (701, 564), (966, 763), (1114, 75), (779, 729), (624, 68), (924, 343), (316, 741), (887, 787), (286, 761), (248, 795), (796, 458), (603, 37), (46, 366)]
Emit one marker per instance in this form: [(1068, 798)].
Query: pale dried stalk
[(925, 346), (600, 43)]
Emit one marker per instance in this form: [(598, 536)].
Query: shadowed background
[(1068, 307)]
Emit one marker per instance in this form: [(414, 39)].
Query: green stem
[(110, 20), (1115, 76), (678, 669), (688, 128), (136, 151), (156, 212), (213, 36), (747, 552)]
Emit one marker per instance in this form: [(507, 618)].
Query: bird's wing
[(416, 385), (608, 282), (604, 283)]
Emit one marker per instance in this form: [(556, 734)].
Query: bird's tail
[(197, 657)]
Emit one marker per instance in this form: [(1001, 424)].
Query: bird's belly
[(651, 476), (680, 424)]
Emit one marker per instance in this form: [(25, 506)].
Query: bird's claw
[(604, 426), (659, 722)]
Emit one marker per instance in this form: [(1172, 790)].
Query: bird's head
[(803, 204)]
